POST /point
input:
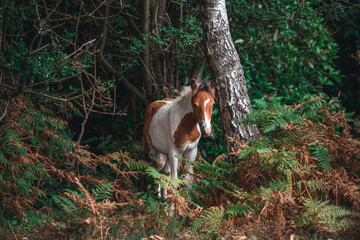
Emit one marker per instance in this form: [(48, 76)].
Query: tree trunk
[(158, 8), (146, 31), (223, 59)]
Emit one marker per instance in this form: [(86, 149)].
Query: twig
[(12, 231), (87, 113), (42, 82), (52, 11), (39, 49), (77, 27), (107, 113), (85, 44), (58, 98)]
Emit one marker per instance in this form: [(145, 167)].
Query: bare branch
[(79, 49), (58, 98)]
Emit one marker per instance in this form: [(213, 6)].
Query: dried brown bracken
[(101, 212), (283, 211)]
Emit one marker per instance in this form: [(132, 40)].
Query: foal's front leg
[(190, 171), (174, 161)]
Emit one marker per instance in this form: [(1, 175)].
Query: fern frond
[(332, 216), (66, 204), (102, 191), (313, 186), (322, 154), (137, 166), (238, 210), (152, 205), (78, 193), (335, 217), (213, 218)]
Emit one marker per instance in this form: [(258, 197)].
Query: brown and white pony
[(173, 127)]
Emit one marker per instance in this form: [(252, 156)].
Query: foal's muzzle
[(205, 130)]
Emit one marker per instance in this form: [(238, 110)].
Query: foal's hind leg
[(161, 163)]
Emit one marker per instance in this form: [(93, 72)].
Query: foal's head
[(202, 102)]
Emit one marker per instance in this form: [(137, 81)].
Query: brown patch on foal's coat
[(149, 114), (186, 131)]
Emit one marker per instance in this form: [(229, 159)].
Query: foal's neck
[(185, 103)]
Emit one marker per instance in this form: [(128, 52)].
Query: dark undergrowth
[(301, 180)]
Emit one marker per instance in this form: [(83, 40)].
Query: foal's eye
[(194, 104)]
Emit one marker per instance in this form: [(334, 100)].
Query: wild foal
[(173, 127)]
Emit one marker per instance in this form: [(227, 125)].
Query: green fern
[(315, 186), (322, 154), (174, 227), (273, 108), (66, 205), (137, 166), (238, 210), (152, 205), (335, 217), (77, 192), (164, 180), (102, 191), (331, 216), (212, 218), (5, 162)]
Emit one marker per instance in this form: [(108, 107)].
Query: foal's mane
[(184, 93), (187, 92)]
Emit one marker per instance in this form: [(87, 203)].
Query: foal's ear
[(212, 85), (193, 86)]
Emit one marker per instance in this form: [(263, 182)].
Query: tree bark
[(224, 62)]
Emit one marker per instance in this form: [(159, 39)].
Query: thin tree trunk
[(146, 31), (227, 72), (157, 20)]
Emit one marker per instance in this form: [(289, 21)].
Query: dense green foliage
[(71, 160), (285, 48)]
